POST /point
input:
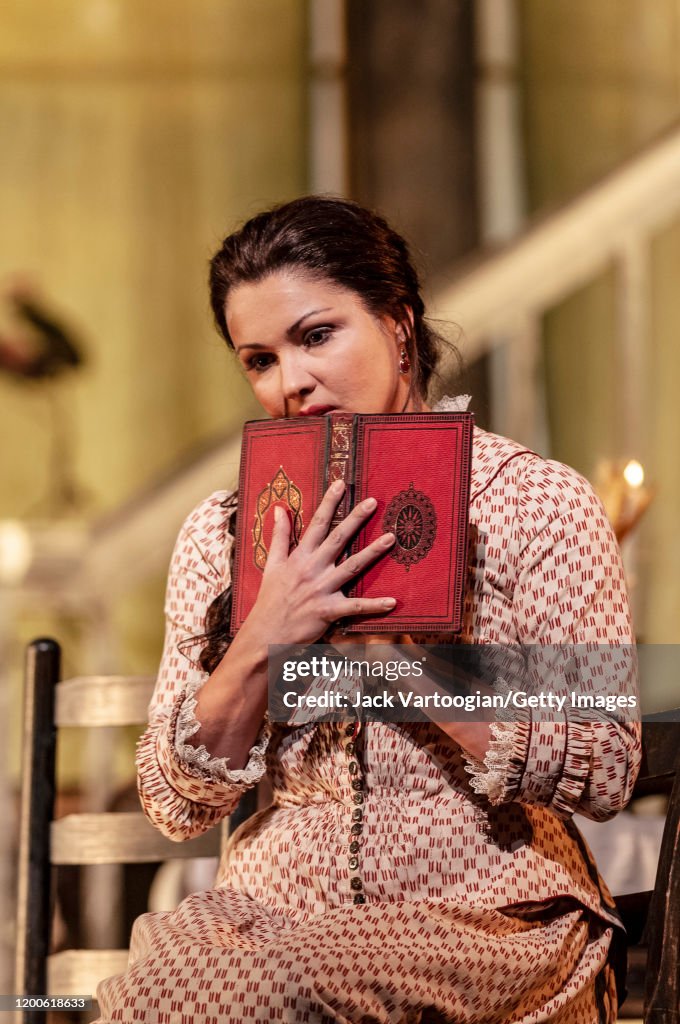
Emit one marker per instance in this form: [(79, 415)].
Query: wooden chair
[(83, 839), (652, 919)]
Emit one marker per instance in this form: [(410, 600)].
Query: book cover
[(416, 465)]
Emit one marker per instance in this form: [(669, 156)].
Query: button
[(349, 729), (349, 748), (356, 882), (357, 784), (357, 829), (357, 814), (354, 846), (353, 863), (358, 798), (359, 898), (353, 767)]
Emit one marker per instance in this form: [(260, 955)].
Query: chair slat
[(79, 971), (121, 838), (103, 700)]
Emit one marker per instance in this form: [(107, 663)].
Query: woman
[(413, 872)]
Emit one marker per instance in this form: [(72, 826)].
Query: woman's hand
[(300, 596), (301, 590)]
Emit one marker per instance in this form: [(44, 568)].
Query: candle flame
[(634, 474)]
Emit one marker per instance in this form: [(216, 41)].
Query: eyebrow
[(290, 331)]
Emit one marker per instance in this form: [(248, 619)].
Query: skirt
[(222, 958)]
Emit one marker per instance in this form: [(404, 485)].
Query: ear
[(405, 326)]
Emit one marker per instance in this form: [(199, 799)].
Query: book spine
[(339, 460)]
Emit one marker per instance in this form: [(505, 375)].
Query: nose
[(296, 380)]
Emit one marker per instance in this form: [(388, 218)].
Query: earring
[(404, 361)]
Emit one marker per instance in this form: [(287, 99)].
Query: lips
[(317, 410)]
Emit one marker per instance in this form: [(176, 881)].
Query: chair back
[(660, 771), (83, 838)]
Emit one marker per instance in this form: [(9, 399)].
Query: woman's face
[(309, 346)]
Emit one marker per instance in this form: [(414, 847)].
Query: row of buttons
[(357, 827)]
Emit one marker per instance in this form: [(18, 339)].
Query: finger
[(320, 522), (338, 539), (357, 562), (345, 607), (280, 542)]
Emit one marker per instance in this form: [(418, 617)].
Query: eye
[(317, 336), (259, 362)]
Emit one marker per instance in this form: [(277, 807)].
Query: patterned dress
[(394, 878)]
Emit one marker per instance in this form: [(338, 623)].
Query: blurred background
[(530, 151)]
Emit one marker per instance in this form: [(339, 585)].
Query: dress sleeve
[(570, 606), (184, 791)]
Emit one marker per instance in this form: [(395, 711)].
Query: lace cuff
[(543, 763), (499, 776), (199, 761)]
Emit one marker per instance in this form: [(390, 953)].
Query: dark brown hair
[(339, 241)]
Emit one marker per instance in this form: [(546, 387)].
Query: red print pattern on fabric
[(477, 905)]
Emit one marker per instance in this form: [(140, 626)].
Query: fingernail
[(278, 512), (389, 602), (338, 486), (388, 539), (370, 503)]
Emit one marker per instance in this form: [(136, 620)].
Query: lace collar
[(452, 403)]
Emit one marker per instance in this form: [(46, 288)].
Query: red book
[(417, 466)]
